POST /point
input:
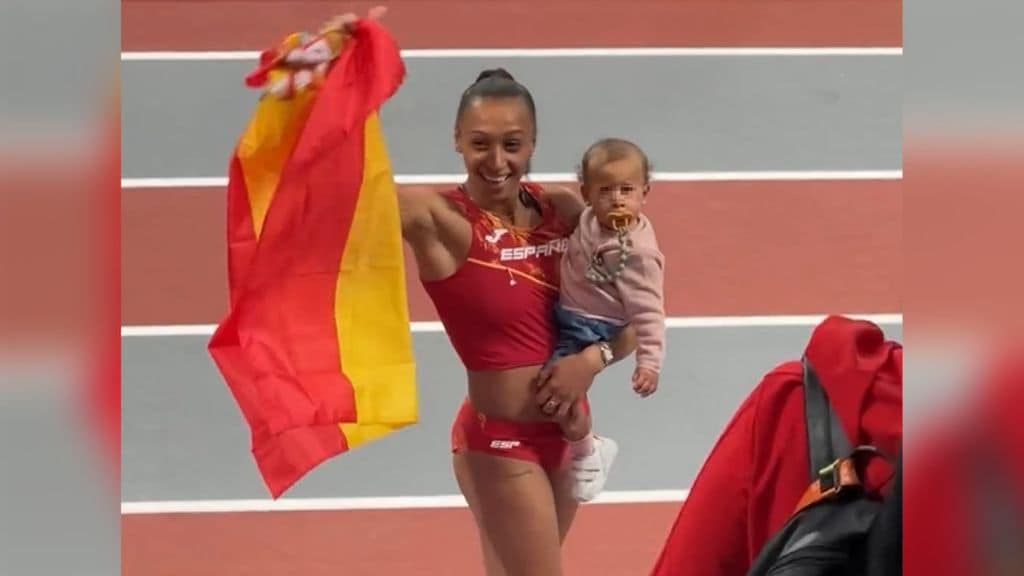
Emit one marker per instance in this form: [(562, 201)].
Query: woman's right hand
[(567, 380)]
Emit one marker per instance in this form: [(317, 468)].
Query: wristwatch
[(606, 353)]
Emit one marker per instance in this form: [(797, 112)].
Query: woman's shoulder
[(451, 197), (425, 208), (566, 203)]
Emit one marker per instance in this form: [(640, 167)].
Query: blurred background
[(59, 236)]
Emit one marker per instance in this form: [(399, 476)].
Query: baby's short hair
[(609, 150)]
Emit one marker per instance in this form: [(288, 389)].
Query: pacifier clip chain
[(596, 272)]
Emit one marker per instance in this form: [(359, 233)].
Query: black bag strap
[(826, 439)]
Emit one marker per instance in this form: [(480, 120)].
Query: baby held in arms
[(612, 275)]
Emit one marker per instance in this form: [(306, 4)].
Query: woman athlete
[(488, 254)]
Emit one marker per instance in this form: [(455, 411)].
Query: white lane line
[(151, 331), (366, 503), (639, 52), (219, 181)]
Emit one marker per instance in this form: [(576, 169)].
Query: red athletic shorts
[(540, 442)]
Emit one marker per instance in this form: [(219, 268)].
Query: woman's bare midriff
[(506, 394)]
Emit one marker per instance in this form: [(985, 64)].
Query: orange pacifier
[(620, 219), (600, 271)]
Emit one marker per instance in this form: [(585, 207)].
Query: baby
[(612, 275)]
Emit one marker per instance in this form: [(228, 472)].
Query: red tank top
[(497, 307)]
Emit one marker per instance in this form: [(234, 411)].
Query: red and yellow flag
[(316, 348)]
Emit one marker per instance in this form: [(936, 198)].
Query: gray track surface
[(184, 438), (707, 113)]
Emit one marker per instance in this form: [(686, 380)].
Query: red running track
[(254, 24), (606, 539), (732, 248)]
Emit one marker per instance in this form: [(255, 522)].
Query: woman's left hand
[(566, 380)]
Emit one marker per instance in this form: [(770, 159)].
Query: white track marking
[(465, 53), (366, 503), (671, 322), (220, 181)]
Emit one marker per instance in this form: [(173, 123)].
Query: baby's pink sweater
[(635, 296)]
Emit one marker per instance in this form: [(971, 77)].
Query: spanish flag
[(316, 347)]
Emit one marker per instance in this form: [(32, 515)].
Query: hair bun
[(495, 73)]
